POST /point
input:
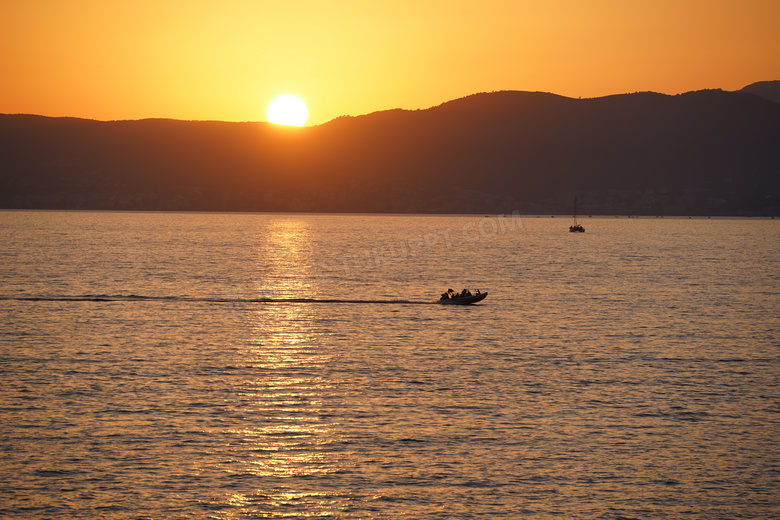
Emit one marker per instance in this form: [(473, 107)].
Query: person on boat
[(477, 291), (445, 296)]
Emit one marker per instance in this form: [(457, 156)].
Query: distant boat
[(452, 298), (576, 228)]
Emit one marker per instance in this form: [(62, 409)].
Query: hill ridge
[(709, 152)]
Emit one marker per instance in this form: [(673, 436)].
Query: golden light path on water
[(293, 433)]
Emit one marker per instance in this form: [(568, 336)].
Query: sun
[(287, 110)]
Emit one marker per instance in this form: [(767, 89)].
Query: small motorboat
[(464, 298)]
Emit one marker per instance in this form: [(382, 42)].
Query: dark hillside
[(708, 152), (766, 89)]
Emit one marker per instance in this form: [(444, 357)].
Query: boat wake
[(139, 298)]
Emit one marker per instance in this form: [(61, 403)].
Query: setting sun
[(287, 110)]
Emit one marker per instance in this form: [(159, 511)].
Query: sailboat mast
[(575, 210)]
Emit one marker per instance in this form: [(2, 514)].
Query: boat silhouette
[(462, 298), (576, 228)]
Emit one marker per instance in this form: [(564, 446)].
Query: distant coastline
[(706, 153), (432, 215)]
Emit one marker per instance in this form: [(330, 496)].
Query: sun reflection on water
[(285, 262), (287, 503), (290, 440)]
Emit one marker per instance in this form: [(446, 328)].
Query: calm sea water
[(229, 366)]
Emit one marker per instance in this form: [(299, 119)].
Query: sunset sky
[(193, 59)]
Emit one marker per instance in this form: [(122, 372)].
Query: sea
[(231, 366)]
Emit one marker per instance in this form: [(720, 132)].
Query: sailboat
[(576, 228)]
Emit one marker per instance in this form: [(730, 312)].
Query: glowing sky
[(196, 59)]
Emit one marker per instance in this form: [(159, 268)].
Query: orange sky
[(197, 59)]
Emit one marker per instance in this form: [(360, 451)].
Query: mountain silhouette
[(766, 89), (708, 152)]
